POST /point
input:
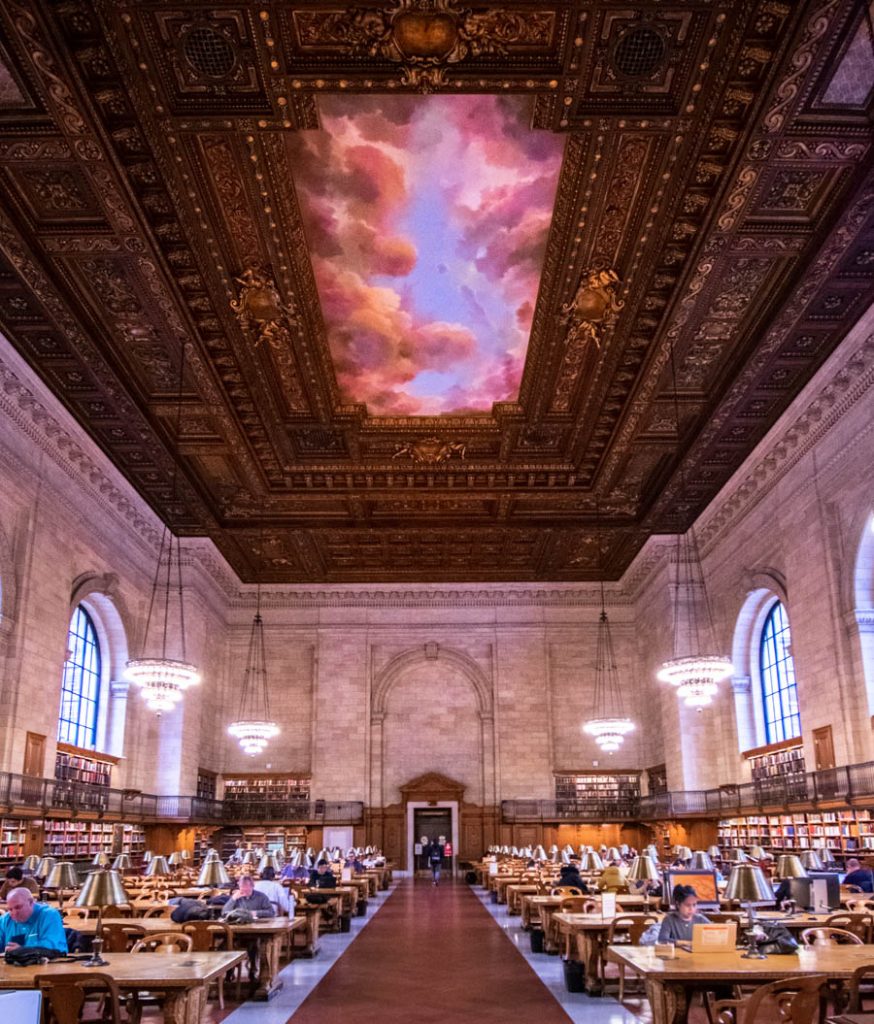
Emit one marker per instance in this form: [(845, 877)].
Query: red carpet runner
[(430, 955)]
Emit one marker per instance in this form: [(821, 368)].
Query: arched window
[(777, 672), (80, 689)]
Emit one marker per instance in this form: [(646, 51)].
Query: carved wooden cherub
[(260, 308)]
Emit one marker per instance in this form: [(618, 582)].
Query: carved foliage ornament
[(260, 309), (426, 35), (430, 450)]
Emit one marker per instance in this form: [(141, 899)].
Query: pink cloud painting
[(426, 219)]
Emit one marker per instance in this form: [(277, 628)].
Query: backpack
[(30, 956), (192, 910)]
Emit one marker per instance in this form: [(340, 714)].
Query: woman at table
[(678, 922)]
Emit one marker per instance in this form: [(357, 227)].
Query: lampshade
[(652, 853), (643, 870), (714, 852), (185, 854), (592, 862), (175, 859), (62, 876), (539, 853), (147, 856), (102, 889), (31, 863), (157, 867), (623, 849), (211, 855), (757, 853), (682, 853), (101, 860), (248, 857), (748, 884), (213, 872), (613, 854), (296, 858), (811, 860), (788, 865), (44, 868), (701, 861), (122, 862), (269, 861), (735, 855), (553, 849)]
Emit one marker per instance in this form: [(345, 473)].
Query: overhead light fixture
[(609, 725), (162, 679), (254, 728), (693, 670)]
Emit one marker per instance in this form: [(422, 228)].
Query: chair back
[(628, 928), (164, 911), (122, 910), (565, 890), (795, 1000), (863, 973), (860, 924), (164, 942), (118, 938), (207, 936), (65, 994), (577, 905), (829, 937)]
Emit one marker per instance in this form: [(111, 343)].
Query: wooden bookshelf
[(266, 837), (612, 791), (657, 779), (267, 788), (81, 840), (842, 833), (13, 836), (206, 784), (75, 764), (781, 764)]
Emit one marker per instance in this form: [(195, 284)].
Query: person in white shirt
[(279, 896)]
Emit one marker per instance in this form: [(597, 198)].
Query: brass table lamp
[(62, 876), (812, 860), (747, 884), (44, 868), (592, 862), (157, 868), (174, 861), (122, 862), (147, 856), (714, 853), (644, 871), (101, 860), (788, 865), (213, 873), (701, 861), (31, 863), (102, 888), (269, 860)]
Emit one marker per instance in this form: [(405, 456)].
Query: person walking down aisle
[(435, 860)]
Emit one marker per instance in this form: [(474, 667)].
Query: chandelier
[(609, 725), (254, 728), (693, 670), (163, 680)]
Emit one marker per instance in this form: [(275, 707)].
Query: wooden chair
[(65, 995), (861, 903), (164, 942), (856, 994), (797, 1001), (578, 905), (565, 890), (627, 930), (829, 937), (165, 911), (79, 913), (207, 937), (122, 910), (859, 924), (118, 938)]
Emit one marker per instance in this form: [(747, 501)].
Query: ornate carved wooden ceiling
[(716, 199)]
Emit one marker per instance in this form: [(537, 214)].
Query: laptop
[(714, 938), (21, 1005)]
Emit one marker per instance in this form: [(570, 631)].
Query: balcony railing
[(52, 796), (848, 784)]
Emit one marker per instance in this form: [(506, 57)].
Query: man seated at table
[(279, 896), (295, 873), (612, 879), (678, 923), (31, 924), (245, 897), (570, 875), (16, 879), (859, 876), (321, 877)]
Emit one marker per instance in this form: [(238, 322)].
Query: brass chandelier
[(254, 727)]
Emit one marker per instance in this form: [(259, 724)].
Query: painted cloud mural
[(426, 219)]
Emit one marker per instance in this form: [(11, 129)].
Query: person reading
[(322, 877), (859, 876), (15, 879), (678, 922), (31, 924)]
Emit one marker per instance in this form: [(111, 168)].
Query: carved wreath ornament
[(426, 35), (594, 307), (260, 309)]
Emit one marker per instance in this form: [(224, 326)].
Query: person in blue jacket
[(31, 924)]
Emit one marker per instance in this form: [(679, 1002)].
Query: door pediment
[(432, 786)]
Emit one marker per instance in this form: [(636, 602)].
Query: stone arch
[(402, 663), (463, 667), (99, 594), (763, 589)]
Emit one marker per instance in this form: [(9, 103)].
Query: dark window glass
[(777, 671)]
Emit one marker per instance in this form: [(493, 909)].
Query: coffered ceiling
[(656, 223)]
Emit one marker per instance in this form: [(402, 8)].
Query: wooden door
[(823, 748), (34, 755)]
